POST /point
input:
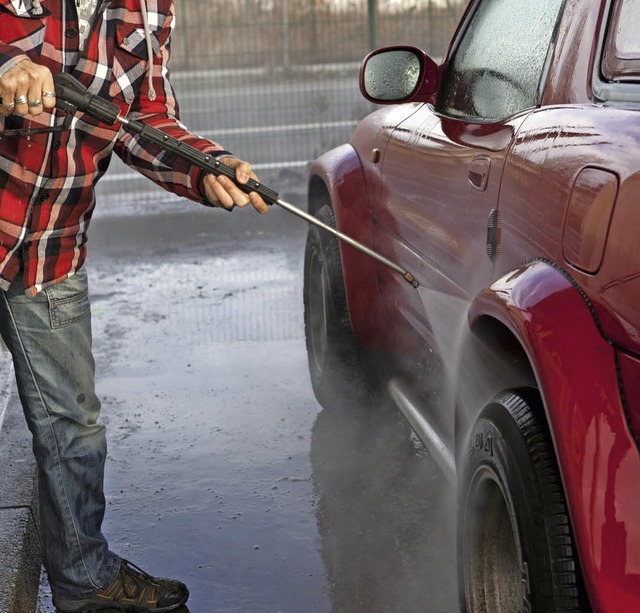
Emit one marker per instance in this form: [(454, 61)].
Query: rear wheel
[(337, 362), (516, 549)]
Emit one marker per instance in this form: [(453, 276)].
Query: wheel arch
[(337, 178), (540, 328)]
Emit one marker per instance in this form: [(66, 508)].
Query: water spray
[(72, 96)]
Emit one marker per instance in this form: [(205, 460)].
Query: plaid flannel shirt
[(47, 180)]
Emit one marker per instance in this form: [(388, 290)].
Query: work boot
[(133, 590)]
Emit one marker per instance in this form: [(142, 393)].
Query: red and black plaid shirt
[(47, 180)]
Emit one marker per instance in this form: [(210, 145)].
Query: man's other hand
[(223, 192)]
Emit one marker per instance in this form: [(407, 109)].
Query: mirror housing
[(391, 75)]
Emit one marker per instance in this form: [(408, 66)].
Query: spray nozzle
[(411, 279)]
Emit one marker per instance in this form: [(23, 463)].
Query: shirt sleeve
[(162, 112)]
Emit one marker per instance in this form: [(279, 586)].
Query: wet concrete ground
[(224, 471)]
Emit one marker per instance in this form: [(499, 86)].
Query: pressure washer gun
[(72, 96)]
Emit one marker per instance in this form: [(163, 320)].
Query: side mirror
[(398, 74)]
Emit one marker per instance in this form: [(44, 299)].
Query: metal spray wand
[(72, 96)]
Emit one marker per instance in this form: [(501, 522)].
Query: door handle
[(479, 172)]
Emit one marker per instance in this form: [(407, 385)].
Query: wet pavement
[(223, 469)]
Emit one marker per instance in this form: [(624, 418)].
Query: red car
[(507, 181)]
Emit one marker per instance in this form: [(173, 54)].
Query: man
[(118, 49)]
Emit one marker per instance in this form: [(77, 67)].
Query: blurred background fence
[(276, 81)]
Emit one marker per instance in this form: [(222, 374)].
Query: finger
[(223, 192), (22, 102), (258, 203), (7, 95), (243, 172), (35, 98), (217, 194), (48, 92), (239, 197), (7, 106)]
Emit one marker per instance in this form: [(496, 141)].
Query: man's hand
[(223, 192), (27, 89)]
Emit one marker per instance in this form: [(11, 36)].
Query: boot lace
[(134, 580)]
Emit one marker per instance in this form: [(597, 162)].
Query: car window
[(621, 57), (497, 66)]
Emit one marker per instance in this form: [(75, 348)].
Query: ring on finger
[(21, 100), (48, 94), (33, 104), (10, 105)]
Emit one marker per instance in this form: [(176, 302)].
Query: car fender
[(575, 369), (340, 172)]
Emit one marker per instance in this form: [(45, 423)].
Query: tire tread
[(567, 587)]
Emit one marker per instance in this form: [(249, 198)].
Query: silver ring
[(21, 99), (35, 103), (48, 94), (11, 105)]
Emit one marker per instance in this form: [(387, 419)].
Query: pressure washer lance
[(72, 96)]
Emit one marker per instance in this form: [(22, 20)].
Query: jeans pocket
[(69, 300)]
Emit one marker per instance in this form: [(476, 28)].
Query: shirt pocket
[(131, 59), (21, 30)]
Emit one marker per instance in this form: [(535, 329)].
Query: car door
[(442, 167)]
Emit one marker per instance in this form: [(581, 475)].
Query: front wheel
[(337, 363), (516, 549)]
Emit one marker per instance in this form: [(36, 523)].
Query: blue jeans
[(49, 337)]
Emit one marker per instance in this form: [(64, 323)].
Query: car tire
[(516, 549), (336, 359)]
